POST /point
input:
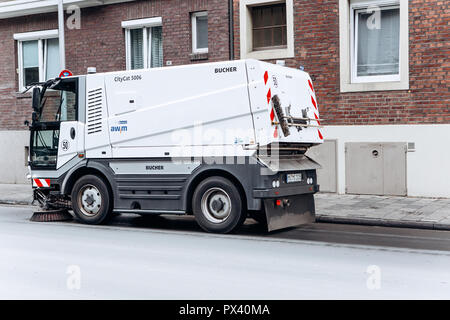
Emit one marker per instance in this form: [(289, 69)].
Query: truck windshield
[(58, 103)]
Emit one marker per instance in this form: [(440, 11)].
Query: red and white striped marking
[(314, 103), (269, 97), (41, 183)]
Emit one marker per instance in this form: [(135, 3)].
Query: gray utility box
[(376, 168)]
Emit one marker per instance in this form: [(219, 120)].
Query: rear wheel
[(217, 205), (91, 200)]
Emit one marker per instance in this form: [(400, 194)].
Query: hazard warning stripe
[(313, 102), (317, 118), (311, 85), (269, 97), (272, 114), (41, 183)]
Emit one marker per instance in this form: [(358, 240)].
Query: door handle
[(72, 133)]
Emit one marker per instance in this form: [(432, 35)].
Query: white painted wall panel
[(428, 168)]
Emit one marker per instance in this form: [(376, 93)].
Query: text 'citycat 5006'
[(221, 141)]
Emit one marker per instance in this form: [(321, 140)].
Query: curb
[(384, 222)]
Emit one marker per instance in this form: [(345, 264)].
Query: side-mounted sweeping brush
[(51, 210), (51, 215)]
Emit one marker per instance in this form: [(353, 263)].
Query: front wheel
[(91, 200), (217, 205)]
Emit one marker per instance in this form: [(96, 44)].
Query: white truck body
[(213, 109)]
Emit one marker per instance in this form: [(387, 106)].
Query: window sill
[(375, 86), (199, 56), (269, 54)]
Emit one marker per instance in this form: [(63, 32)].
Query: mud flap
[(289, 211)]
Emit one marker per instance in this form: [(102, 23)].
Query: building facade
[(381, 72), (380, 69)]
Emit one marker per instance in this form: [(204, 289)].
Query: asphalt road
[(171, 258)]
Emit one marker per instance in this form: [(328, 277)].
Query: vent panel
[(94, 114)]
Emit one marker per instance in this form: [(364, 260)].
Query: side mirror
[(36, 99)]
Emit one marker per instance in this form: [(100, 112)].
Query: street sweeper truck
[(221, 141)]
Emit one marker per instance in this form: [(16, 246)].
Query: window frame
[(354, 9), (345, 48), (41, 37), (194, 16), (246, 36), (146, 25), (283, 46)]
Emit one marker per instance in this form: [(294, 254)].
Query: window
[(269, 26), (38, 56), (60, 103), (143, 40), (266, 29), (44, 146), (376, 40), (30, 62), (199, 21), (373, 45)]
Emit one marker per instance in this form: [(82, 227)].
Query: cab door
[(71, 136)]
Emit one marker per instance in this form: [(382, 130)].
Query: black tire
[(223, 191), (99, 211)]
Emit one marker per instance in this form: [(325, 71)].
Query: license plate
[(293, 177)]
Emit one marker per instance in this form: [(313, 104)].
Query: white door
[(70, 141), (71, 133)]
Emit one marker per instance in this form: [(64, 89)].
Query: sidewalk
[(407, 212), (16, 194)]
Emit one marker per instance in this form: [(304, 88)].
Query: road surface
[(170, 258)]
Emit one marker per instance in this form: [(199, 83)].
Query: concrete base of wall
[(428, 166), (12, 161)]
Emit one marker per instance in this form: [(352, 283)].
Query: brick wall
[(316, 25), (101, 43)]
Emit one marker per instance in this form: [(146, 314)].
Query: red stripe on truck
[(313, 102), (269, 96), (38, 183), (266, 77), (311, 85), (317, 118)]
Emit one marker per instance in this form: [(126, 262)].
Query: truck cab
[(55, 107)]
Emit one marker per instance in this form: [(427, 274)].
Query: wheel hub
[(90, 200), (216, 205)]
